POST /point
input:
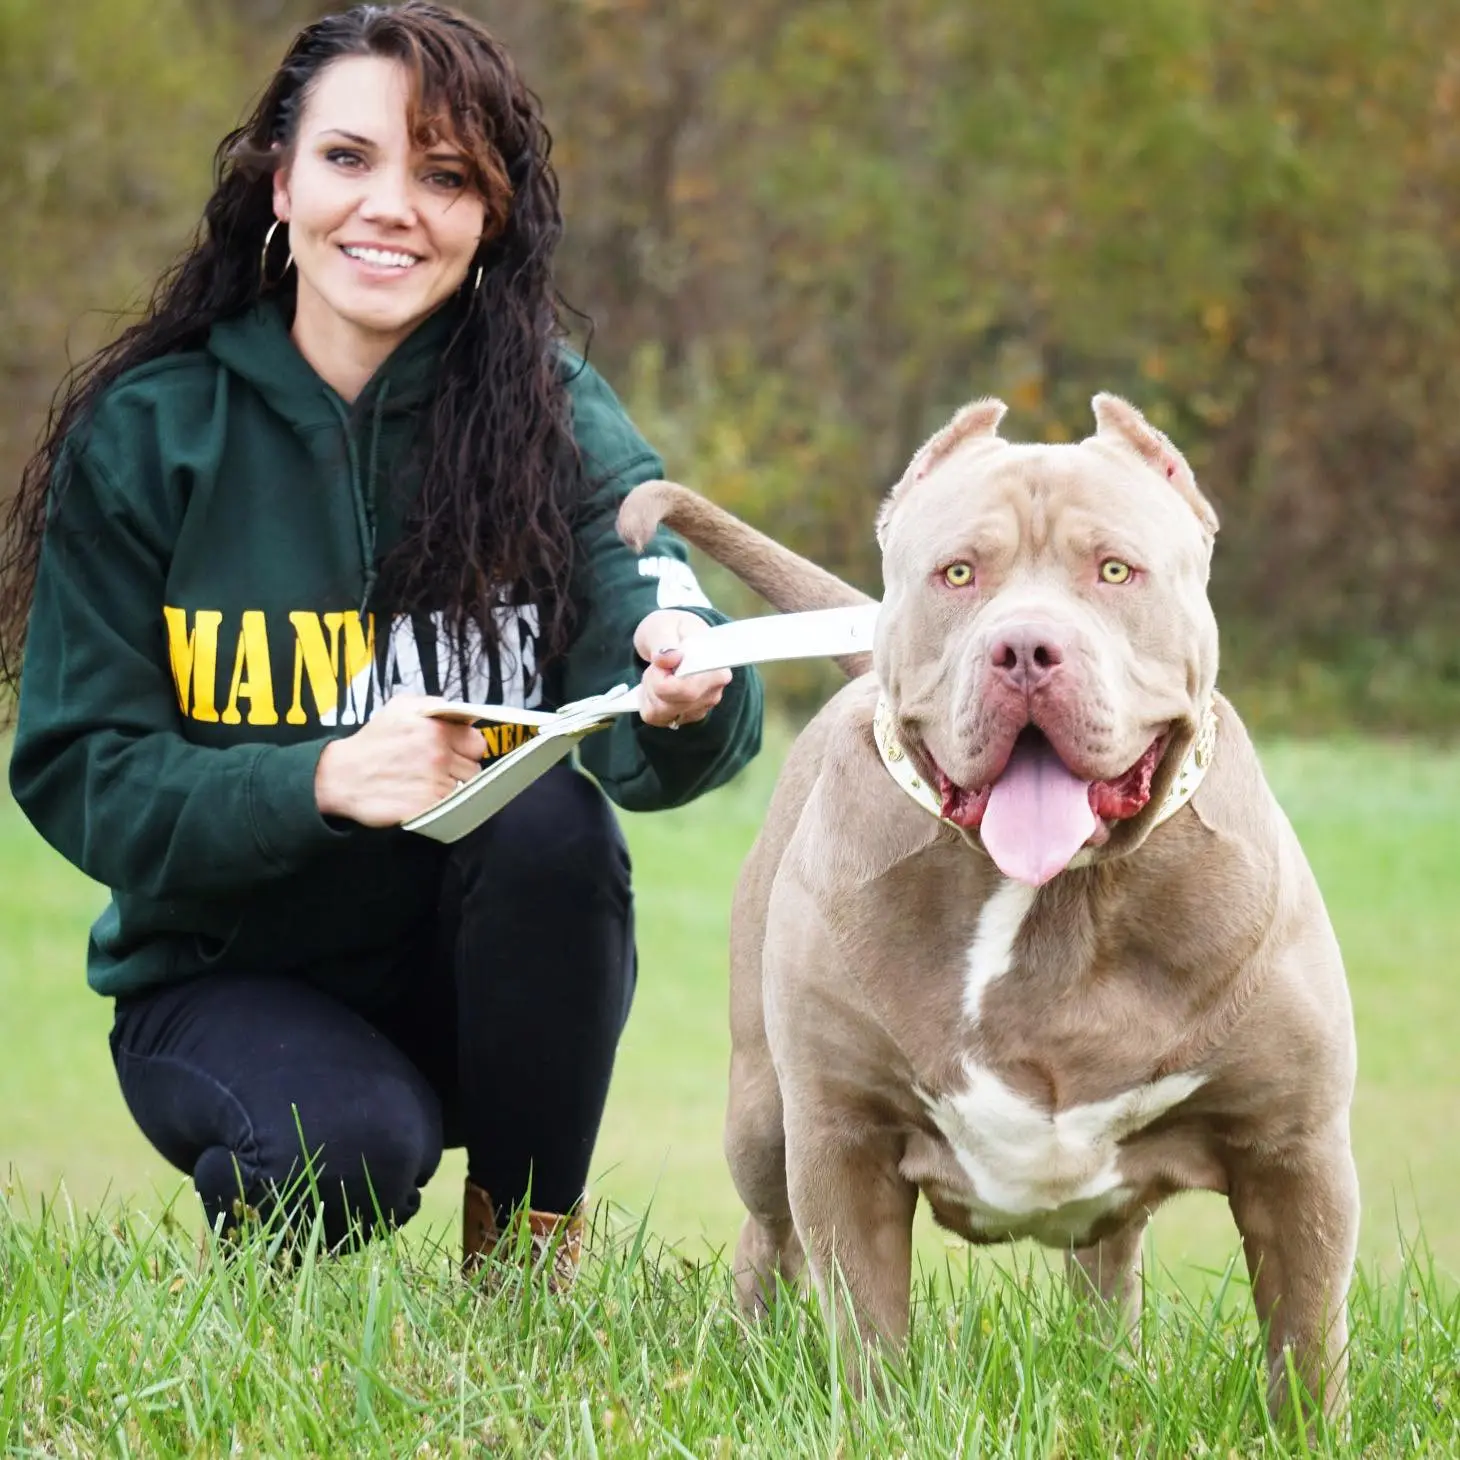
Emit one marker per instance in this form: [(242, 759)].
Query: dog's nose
[(1026, 656)]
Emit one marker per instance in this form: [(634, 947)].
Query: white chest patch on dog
[(1040, 1173), (992, 953)]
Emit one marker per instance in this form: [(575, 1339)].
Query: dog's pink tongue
[(1038, 815)]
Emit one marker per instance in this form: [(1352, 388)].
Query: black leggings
[(502, 1040)]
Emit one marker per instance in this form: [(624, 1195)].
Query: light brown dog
[(1025, 930)]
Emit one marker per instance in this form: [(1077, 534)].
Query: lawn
[(1381, 822)]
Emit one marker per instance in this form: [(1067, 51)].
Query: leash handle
[(820, 633)]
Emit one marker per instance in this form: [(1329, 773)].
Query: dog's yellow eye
[(1112, 570), (958, 575)]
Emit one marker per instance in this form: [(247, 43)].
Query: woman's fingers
[(668, 698), (397, 764), (464, 767), (465, 741), (457, 749)]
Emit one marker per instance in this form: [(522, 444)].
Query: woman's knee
[(356, 1164)]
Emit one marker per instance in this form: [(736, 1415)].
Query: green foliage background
[(806, 231)]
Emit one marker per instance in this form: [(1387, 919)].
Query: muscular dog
[(1025, 930)]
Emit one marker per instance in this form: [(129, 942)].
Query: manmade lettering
[(226, 669)]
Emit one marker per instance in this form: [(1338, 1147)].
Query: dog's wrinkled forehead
[(1042, 503), (969, 481)]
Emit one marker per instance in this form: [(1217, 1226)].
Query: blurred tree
[(817, 228), (108, 109), (807, 230)]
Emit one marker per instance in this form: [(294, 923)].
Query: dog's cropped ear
[(1118, 421), (978, 418)]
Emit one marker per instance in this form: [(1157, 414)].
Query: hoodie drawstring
[(361, 490), (368, 494)]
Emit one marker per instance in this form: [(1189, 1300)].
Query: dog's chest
[(1019, 1167)]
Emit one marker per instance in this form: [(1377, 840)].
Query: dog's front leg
[(1298, 1215), (1107, 1275), (854, 1212)]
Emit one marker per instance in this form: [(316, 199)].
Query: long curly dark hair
[(499, 473)]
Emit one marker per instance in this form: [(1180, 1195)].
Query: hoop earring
[(265, 284), (478, 283)]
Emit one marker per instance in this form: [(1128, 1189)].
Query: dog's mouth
[(1037, 814)]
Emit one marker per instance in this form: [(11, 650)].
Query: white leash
[(819, 633)]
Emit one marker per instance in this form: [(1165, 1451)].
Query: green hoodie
[(204, 622)]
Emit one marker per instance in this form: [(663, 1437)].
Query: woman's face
[(382, 233)]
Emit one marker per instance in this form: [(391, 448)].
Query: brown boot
[(479, 1231), (552, 1238), (557, 1240)]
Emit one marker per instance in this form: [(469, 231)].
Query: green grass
[(118, 1337), (114, 1340)]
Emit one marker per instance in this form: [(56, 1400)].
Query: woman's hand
[(667, 700), (397, 765)]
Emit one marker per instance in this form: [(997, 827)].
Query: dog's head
[(1046, 641)]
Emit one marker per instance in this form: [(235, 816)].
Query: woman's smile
[(386, 262)]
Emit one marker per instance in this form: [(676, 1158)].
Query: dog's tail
[(786, 580)]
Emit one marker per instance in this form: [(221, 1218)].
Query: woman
[(343, 468)]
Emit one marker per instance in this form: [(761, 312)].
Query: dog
[(1025, 930)]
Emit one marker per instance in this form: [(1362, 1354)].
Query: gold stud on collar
[(899, 767)]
